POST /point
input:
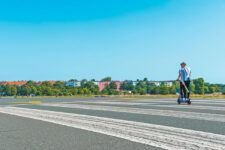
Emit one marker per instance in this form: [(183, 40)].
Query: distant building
[(18, 83), (96, 82), (168, 84), (103, 84), (73, 84), (100, 84), (134, 83), (159, 83)]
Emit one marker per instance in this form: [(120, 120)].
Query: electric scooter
[(184, 100)]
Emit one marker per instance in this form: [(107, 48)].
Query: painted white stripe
[(155, 135), (104, 102), (155, 101), (170, 113), (173, 106), (190, 107), (174, 99), (194, 101), (153, 105)]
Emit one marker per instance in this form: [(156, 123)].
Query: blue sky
[(60, 40)]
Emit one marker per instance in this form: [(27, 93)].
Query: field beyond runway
[(111, 124)]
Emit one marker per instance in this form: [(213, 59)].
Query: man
[(185, 79)]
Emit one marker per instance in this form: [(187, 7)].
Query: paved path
[(111, 124)]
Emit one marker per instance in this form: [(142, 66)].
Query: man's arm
[(179, 76), (182, 78)]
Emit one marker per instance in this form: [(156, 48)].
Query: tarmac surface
[(111, 124)]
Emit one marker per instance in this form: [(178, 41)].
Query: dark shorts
[(183, 92)]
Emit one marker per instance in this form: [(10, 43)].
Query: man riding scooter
[(185, 80)]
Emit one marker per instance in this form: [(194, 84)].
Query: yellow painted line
[(30, 102)]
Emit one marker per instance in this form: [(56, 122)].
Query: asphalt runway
[(111, 124)]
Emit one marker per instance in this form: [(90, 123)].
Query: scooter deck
[(183, 100)]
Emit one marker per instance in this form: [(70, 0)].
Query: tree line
[(142, 87)]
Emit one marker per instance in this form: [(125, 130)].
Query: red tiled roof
[(24, 82), (15, 83)]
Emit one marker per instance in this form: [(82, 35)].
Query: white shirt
[(186, 73)]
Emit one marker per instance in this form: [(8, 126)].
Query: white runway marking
[(190, 107), (104, 102), (173, 105), (151, 101), (169, 113), (155, 135)]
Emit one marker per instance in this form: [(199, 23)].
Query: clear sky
[(124, 39)]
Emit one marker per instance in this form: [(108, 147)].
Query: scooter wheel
[(178, 101), (189, 102)]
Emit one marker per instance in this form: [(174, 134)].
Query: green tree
[(8, 90), (83, 82), (143, 91), (212, 89), (34, 90), (141, 87), (164, 90), (67, 93), (31, 83), (110, 88), (220, 87), (105, 91), (46, 83), (206, 89), (47, 91), (223, 93), (59, 85), (215, 86), (81, 91), (91, 86), (1, 89), (134, 91), (86, 91), (18, 90), (14, 90), (106, 79), (199, 86), (25, 90), (173, 89), (117, 93), (145, 79), (111, 91), (156, 90), (150, 87), (56, 92), (75, 91), (192, 87), (127, 86), (113, 85), (73, 80), (39, 90)]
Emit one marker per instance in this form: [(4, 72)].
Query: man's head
[(183, 64)]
